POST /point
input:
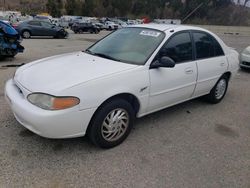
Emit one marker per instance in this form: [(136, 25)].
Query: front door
[(170, 86), (48, 29)]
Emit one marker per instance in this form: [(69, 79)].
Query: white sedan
[(245, 58), (130, 73)]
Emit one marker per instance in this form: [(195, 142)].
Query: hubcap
[(26, 34), (115, 125), (220, 89)]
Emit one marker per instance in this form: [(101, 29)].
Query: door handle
[(189, 71)]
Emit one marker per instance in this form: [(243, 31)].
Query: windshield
[(8, 29), (128, 45)]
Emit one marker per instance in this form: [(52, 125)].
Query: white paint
[(94, 80)]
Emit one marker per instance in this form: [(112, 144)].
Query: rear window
[(35, 23), (206, 46)]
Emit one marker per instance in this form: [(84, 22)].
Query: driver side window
[(178, 48), (48, 25)]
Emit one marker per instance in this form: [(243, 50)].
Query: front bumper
[(67, 123), (245, 61)]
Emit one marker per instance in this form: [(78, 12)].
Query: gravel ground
[(193, 144)]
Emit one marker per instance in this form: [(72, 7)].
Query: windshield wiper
[(102, 55), (106, 56), (88, 51)]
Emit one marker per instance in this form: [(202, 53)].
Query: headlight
[(246, 51), (49, 102)]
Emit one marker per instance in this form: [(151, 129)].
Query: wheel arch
[(228, 75), (130, 98), (26, 29)]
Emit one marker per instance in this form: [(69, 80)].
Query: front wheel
[(26, 34), (219, 91), (60, 35), (111, 124)]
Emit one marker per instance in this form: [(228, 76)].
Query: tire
[(219, 90), (106, 133), (244, 68), (26, 34), (60, 35), (12, 55)]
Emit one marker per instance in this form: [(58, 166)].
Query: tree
[(54, 7), (87, 8), (70, 7)]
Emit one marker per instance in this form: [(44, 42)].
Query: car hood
[(57, 73)]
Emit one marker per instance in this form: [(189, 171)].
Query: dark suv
[(85, 27)]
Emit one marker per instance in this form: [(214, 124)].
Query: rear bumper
[(50, 124)]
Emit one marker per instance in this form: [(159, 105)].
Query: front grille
[(246, 63), (19, 90)]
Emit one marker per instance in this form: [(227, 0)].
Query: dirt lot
[(194, 144)]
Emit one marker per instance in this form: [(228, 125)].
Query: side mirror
[(163, 62)]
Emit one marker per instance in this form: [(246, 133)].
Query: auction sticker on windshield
[(150, 33)]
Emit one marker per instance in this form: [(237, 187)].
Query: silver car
[(245, 58)]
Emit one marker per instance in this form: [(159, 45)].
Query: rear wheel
[(219, 90), (26, 34), (111, 124)]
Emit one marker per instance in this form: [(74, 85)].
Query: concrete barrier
[(229, 30)]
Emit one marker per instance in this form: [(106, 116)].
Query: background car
[(75, 20), (85, 27), (99, 25), (245, 58), (40, 28), (10, 41), (110, 25)]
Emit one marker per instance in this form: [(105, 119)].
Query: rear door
[(35, 27), (211, 61), (170, 86)]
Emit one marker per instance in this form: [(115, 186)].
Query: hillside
[(23, 5), (222, 12)]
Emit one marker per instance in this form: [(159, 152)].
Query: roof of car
[(161, 27), (165, 27)]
